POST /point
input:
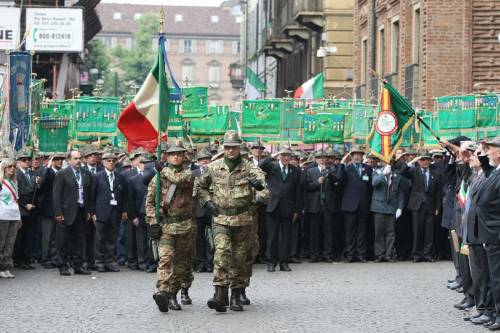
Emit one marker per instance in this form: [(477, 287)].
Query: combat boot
[(172, 302), (218, 302), (235, 301), (185, 299), (243, 297), (161, 299)]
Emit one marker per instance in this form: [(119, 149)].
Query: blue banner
[(19, 101)]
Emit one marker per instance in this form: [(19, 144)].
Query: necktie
[(77, 174), (358, 167), (140, 173), (283, 173), (92, 169), (111, 177), (424, 172)]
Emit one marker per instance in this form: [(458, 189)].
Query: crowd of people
[(234, 204)]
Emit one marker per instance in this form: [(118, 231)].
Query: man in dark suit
[(27, 188), (137, 240), (319, 181), (356, 178), (107, 211), (387, 206), (91, 155), (204, 254), (71, 199), (46, 211), (283, 183), (487, 202), (425, 203)]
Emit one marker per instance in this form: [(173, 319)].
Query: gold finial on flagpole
[(162, 20)]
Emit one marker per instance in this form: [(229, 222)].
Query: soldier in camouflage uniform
[(227, 190), (174, 230)]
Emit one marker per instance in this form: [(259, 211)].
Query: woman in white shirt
[(10, 217)]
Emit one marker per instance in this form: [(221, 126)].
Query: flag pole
[(158, 146)]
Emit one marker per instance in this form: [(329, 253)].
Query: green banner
[(216, 123), (194, 102), (324, 128), (457, 111), (487, 110), (261, 117), (362, 119), (53, 135), (95, 116)]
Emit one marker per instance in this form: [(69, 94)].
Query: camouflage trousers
[(233, 251), (252, 254), (174, 267)]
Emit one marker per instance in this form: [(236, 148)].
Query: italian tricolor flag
[(462, 195), (147, 114), (253, 85), (312, 89)]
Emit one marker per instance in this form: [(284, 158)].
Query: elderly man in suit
[(357, 182), (107, 210), (46, 211), (284, 184), (71, 199), (487, 202), (387, 206), (425, 202)]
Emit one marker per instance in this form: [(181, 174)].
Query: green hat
[(213, 148), (23, 153), (109, 155), (146, 158), (257, 145), (202, 154), (284, 148), (136, 153), (319, 153), (126, 162), (87, 150), (356, 149), (164, 146), (495, 142), (232, 138), (177, 146), (330, 152), (244, 149), (425, 156)]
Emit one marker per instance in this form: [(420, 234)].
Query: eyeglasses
[(10, 166)]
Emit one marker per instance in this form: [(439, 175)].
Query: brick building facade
[(427, 48)]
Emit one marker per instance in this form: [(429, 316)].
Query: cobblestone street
[(402, 297)]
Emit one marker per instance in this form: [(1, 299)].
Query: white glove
[(399, 212), (387, 170)]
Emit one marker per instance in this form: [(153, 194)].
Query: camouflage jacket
[(178, 215), (230, 191)]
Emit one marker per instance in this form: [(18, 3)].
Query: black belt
[(233, 211), (176, 219)]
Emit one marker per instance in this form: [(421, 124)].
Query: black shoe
[(243, 297), (417, 259), (328, 260), (429, 259), (121, 262), (172, 302), (199, 269), (151, 269), (495, 326), (379, 259), (133, 267), (464, 306), (285, 268), (235, 301), (26, 266), (271, 267), (313, 259), (111, 268), (391, 259), (296, 261), (348, 260), (49, 265), (473, 316), (481, 320), (218, 302), (185, 299), (362, 259), (161, 299), (64, 271), (209, 268), (101, 268), (81, 271)]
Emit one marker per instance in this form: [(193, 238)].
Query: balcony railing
[(307, 6)]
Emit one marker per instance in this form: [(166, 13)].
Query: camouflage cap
[(319, 153), (146, 158), (424, 156), (177, 146), (23, 153), (109, 154), (126, 162), (220, 152), (136, 153), (214, 147), (330, 152), (356, 149), (232, 138), (257, 145), (88, 149)]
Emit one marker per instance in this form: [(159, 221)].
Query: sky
[(168, 2)]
